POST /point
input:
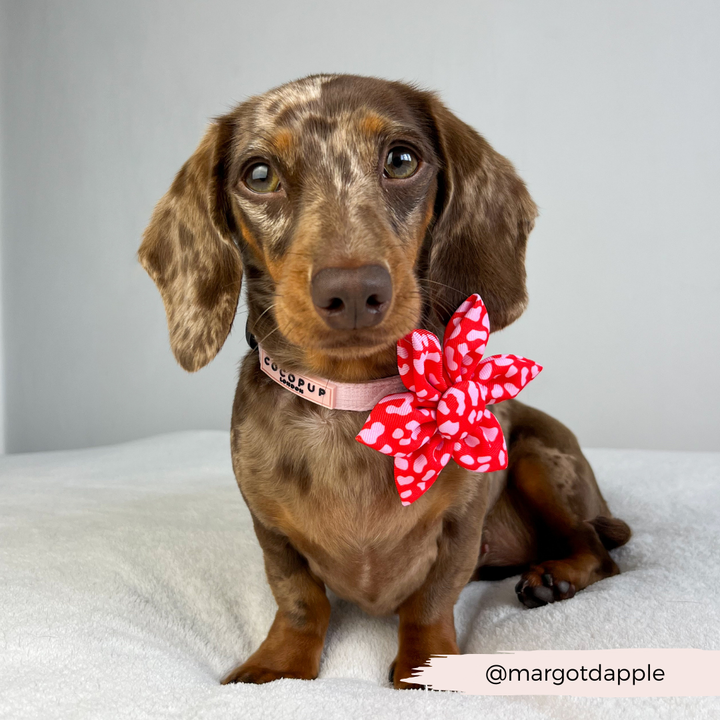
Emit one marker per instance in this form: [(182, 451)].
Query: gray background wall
[(610, 110)]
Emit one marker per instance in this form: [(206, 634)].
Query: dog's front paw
[(258, 674), (286, 652), (418, 643), (397, 672)]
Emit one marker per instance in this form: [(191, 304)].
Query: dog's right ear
[(189, 250)]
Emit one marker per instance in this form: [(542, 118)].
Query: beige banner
[(588, 673)]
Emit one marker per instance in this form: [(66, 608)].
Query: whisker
[(275, 329), (443, 303), (435, 282), (267, 309)]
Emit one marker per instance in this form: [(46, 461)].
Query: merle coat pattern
[(325, 508)]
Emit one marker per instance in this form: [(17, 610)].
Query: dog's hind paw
[(539, 587)]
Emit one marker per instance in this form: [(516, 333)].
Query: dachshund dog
[(358, 210)]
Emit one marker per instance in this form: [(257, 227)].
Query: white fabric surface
[(131, 581)]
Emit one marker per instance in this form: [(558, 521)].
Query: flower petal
[(397, 425), (484, 449), (415, 474), (420, 366), (505, 376), (466, 336)]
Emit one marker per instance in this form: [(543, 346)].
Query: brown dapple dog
[(358, 210)]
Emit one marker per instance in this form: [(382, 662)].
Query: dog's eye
[(261, 178), (401, 163)]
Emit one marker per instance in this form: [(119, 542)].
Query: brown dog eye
[(261, 178), (401, 163)]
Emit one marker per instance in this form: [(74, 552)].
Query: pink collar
[(334, 395)]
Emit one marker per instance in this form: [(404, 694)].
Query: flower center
[(458, 410)]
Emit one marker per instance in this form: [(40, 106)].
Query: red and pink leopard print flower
[(444, 413)]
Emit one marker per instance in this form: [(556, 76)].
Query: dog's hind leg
[(553, 484)]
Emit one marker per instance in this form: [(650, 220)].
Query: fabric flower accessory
[(443, 415)]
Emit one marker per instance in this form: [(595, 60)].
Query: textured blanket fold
[(131, 581)]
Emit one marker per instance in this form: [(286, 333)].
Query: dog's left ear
[(484, 215)]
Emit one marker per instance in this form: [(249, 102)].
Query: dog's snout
[(349, 298)]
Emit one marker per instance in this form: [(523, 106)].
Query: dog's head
[(359, 210)]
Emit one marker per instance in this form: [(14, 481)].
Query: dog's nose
[(349, 298)]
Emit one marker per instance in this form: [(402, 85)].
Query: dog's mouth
[(355, 354), (356, 357), (354, 343)]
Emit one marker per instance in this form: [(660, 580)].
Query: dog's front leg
[(295, 641), (427, 624)]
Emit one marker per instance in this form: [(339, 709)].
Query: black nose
[(348, 298)]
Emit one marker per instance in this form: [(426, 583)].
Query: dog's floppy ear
[(188, 250), (484, 215)]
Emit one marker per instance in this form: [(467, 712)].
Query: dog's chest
[(304, 474)]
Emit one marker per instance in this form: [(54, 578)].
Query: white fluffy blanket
[(131, 581)]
